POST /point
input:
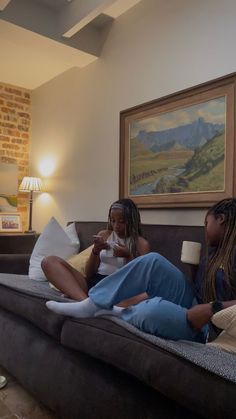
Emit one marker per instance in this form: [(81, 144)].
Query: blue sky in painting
[(212, 111)]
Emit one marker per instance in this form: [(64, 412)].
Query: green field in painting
[(215, 180), (147, 166), (179, 169)]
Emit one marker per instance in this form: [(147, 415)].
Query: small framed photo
[(10, 222)]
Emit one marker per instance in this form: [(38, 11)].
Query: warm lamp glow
[(45, 198), (30, 184), (47, 166)]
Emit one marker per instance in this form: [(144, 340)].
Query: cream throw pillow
[(54, 240), (79, 261), (226, 320)]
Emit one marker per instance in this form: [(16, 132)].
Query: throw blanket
[(208, 357), (24, 284)]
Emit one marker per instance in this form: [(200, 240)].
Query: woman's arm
[(143, 246), (201, 314), (121, 250), (93, 262)]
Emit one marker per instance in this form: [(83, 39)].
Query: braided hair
[(132, 221), (225, 253)]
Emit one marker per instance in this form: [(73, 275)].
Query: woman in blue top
[(173, 307)]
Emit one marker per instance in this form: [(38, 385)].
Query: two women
[(174, 308)]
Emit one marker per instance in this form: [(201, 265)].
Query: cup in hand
[(191, 252)]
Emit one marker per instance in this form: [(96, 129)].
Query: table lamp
[(30, 185)]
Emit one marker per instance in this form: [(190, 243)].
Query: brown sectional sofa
[(100, 367)]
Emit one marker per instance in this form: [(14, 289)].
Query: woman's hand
[(99, 244), (199, 315), (121, 251)]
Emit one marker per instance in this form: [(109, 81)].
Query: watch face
[(216, 306)]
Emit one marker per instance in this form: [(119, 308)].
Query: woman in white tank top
[(108, 262), (113, 248)]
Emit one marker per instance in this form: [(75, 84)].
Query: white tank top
[(108, 262)]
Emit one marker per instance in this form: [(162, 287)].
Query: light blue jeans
[(170, 295)]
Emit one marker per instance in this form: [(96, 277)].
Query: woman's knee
[(157, 265), (151, 255), (49, 261), (150, 258), (154, 257)]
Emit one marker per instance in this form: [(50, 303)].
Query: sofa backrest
[(164, 239)]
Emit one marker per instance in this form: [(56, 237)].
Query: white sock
[(115, 311), (85, 308)]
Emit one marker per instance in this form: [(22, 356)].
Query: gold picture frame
[(179, 150), (10, 222)]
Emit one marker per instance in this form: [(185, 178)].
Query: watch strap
[(216, 306)]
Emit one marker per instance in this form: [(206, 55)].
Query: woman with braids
[(175, 308), (113, 248)]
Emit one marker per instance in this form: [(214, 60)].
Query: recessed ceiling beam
[(81, 12)]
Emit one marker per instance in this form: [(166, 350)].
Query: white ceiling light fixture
[(3, 4)]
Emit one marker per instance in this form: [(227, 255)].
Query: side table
[(17, 243)]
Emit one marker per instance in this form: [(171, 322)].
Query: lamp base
[(3, 381), (29, 232)]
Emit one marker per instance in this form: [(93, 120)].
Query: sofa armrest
[(14, 263)]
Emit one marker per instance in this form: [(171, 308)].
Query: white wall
[(157, 48)]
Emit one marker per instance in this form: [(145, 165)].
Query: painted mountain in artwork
[(187, 158), (190, 136)]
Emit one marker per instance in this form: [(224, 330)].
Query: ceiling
[(40, 39)]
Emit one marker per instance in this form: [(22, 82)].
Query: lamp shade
[(30, 184)]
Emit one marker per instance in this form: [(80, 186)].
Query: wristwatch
[(216, 306)]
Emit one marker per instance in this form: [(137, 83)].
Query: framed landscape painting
[(179, 151)]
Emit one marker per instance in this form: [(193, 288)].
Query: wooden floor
[(17, 403)]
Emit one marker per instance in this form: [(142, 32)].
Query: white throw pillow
[(53, 241)]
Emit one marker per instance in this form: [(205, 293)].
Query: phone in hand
[(97, 239)]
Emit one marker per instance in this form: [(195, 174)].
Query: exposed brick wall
[(15, 135)]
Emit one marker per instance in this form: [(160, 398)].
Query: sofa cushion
[(79, 261), (204, 392), (26, 298), (75, 385)]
